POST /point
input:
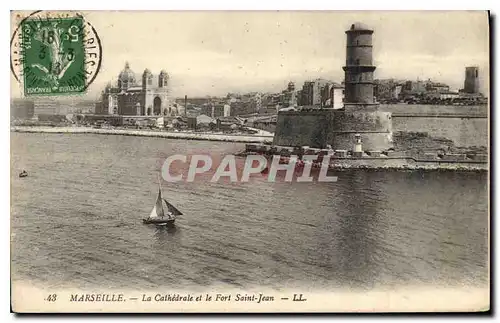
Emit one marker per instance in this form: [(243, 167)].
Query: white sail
[(153, 213), (160, 210), (157, 210)]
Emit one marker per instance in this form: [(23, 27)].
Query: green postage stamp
[(55, 53), (53, 56)]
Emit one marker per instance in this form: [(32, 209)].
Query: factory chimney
[(185, 105)]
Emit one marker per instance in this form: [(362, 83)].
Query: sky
[(216, 52)]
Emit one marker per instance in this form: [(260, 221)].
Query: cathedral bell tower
[(147, 85), (163, 79), (147, 80)]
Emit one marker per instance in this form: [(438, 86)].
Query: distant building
[(307, 93), (207, 109), (471, 83), (242, 106), (22, 109), (332, 96), (197, 101), (214, 110), (396, 92), (30, 109), (204, 120), (289, 96), (390, 89), (160, 122), (437, 87), (382, 89), (201, 121), (57, 118), (393, 91), (258, 101), (414, 87), (269, 110), (227, 110), (311, 92), (300, 99), (448, 95), (271, 102), (179, 122), (265, 123), (191, 122), (228, 123), (129, 97)]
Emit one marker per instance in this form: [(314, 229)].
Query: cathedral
[(150, 97)]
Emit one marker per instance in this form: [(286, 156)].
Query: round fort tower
[(359, 66), (360, 114)]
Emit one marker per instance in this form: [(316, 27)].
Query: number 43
[(51, 298)]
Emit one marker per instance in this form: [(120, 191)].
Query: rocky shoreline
[(448, 168), (397, 164)]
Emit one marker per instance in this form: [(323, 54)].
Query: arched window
[(357, 61)]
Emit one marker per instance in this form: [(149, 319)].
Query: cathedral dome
[(127, 75)]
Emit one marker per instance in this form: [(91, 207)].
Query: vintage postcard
[(249, 161)]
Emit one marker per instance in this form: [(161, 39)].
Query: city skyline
[(263, 51)]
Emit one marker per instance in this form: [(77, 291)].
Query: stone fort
[(359, 116)]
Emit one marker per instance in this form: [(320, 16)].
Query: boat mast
[(159, 184), (161, 197)]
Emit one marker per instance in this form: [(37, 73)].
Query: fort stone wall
[(312, 128)]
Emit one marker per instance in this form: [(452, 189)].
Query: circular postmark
[(54, 52)]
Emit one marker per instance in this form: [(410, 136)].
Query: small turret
[(358, 146), (147, 79), (163, 79)]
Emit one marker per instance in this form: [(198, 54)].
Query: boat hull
[(169, 222)]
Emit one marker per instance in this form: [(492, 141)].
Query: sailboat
[(163, 212)]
